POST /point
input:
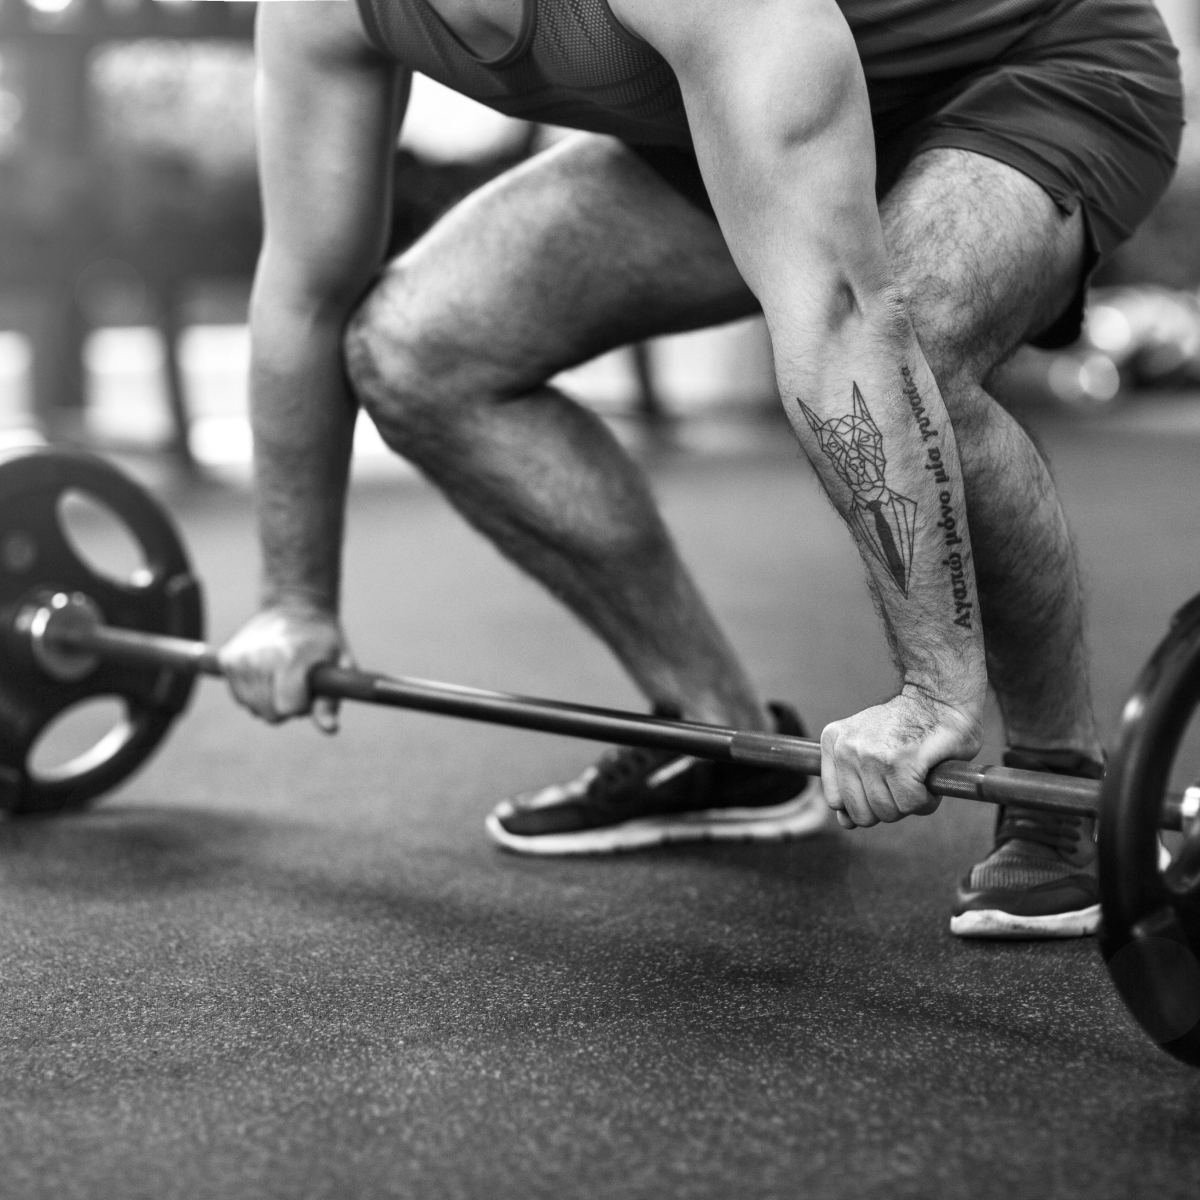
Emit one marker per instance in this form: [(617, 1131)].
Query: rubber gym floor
[(276, 965)]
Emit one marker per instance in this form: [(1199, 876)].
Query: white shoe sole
[(993, 923), (805, 815)]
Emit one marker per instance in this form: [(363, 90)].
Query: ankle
[(1082, 739), (1058, 760), (718, 710)]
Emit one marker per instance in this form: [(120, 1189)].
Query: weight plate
[(1150, 935), (36, 559)]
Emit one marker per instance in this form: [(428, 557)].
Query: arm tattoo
[(951, 538), (884, 520)]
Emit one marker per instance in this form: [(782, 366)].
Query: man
[(1012, 143)]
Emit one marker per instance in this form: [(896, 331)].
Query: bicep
[(781, 123), (328, 112)]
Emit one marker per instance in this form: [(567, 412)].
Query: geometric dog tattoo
[(883, 519)]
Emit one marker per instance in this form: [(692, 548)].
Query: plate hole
[(101, 539), (79, 738)]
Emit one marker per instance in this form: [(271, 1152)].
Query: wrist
[(965, 696), (298, 600)]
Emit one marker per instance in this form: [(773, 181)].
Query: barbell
[(69, 634)]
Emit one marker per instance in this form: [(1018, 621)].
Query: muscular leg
[(986, 260), (585, 249), (581, 250)]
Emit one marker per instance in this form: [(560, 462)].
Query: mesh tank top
[(574, 64)]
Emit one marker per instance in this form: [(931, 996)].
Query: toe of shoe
[(522, 821)]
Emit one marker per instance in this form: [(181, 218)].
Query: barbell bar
[(68, 637)]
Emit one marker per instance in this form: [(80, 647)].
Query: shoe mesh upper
[(1034, 849), (1017, 866), (1043, 864)]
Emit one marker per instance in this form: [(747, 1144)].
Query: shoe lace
[(620, 767), (1059, 831)]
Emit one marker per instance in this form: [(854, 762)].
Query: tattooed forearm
[(948, 524), (918, 408), (884, 521)]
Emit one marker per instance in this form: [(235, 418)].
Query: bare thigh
[(580, 250), (584, 248), (983, 255)]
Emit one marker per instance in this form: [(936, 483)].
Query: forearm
[(303, 421), (328, 109), (868, 413)]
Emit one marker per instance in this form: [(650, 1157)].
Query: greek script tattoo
[(948, 524), (918, 409), (884, 520)]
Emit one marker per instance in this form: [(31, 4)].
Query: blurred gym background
[(129, 224)]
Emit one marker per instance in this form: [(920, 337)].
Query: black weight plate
[(37, 557), (1150, 936)]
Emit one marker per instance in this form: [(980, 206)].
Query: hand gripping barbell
[(69, 634)]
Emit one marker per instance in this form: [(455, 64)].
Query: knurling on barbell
[(68, 633)]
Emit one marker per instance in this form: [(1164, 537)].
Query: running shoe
[(1040, 880), (635, 798)]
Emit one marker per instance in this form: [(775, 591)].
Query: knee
[(957, 353), (388, 364), (960, 362), (977, 417), (406, 372)]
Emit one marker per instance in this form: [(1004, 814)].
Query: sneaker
[(1041, 879), (634, 798)]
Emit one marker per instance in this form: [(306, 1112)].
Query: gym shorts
[(1088, 103)]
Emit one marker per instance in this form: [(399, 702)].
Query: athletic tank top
[(574, 64)]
